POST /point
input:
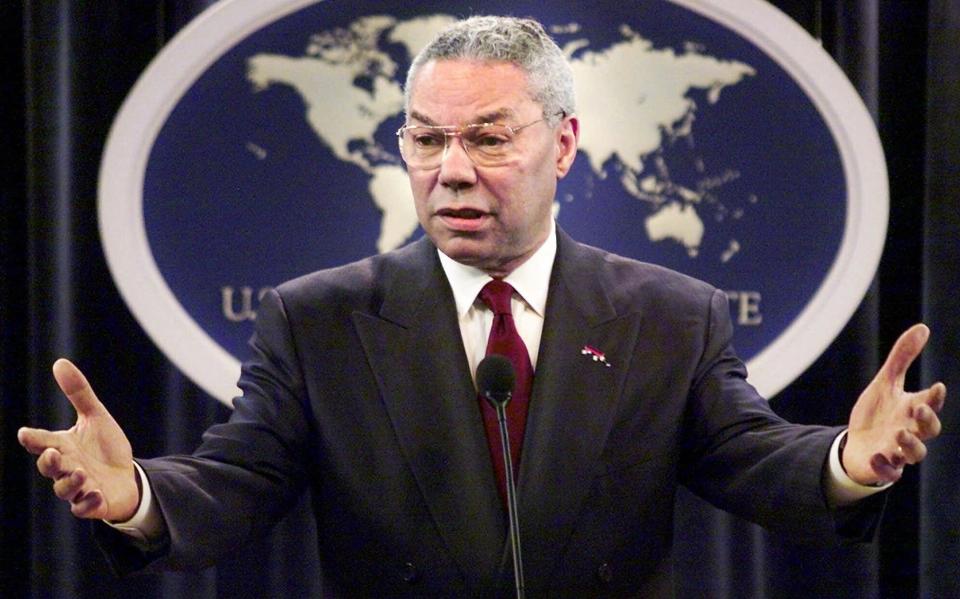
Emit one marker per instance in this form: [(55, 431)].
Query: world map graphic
[(350, 85)]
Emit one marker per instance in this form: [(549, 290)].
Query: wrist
[(129, 514), (840, 448)]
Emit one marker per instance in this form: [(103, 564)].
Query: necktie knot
[(496, 295)]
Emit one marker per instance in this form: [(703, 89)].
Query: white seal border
[(120, 202)]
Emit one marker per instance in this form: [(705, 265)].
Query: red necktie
[(505, 340)]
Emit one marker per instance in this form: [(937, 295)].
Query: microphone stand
[(499, 402)]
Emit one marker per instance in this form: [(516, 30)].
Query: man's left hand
[(888, 426)]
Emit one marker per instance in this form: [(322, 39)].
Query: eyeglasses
[(487, 144)]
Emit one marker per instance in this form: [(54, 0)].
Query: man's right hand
[(91, 463)]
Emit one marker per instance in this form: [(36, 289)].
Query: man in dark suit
[(361, 386)]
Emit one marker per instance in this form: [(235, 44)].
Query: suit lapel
[(573, 404), (416, 352), (415, 349)]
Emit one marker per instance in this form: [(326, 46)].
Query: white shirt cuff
[(146, 524), (840, 488)]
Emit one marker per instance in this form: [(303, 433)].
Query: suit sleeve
[(742, 457), (247, 472)]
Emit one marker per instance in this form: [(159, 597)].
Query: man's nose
[(456, 167)]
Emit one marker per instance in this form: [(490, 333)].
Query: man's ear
[(568, 135)]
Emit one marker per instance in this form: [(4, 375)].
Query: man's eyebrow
[(422, 118), (495, 116), (490, 117)]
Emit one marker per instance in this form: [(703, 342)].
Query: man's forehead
[(448, 67), (475, 91)]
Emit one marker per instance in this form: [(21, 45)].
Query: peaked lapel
[(573, 403), (415, 349)]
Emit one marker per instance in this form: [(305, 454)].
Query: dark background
[(66, 68)]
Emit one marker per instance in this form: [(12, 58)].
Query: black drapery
[(66, 67)]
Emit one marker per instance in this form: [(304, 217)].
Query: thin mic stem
[(511, 500)]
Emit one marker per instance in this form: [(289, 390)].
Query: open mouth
[(464, 220), (467, 213)]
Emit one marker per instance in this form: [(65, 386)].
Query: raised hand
[(888, 426), (91, 463)]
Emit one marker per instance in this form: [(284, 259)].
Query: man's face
[(492, 217)]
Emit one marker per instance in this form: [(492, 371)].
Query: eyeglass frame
[(457, 131)]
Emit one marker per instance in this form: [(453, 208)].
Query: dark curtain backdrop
[(66, 67)]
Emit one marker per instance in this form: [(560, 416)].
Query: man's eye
[(490, 141), (428, 141)]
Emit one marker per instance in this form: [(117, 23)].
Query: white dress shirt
[(530, 282)]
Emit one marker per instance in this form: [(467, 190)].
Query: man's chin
[(466, 255), (468, 250)]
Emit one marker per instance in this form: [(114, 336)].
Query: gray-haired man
[(361, 387)]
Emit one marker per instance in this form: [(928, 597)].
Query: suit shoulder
[(355, 284), (631, 279)]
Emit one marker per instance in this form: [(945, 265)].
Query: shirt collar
[(530, 280)]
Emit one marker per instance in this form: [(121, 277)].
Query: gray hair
[(522, 42)]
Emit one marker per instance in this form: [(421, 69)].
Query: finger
[(88, 506), (928, 424), (885, 471), (36, 440), (935, 396), (911, 449), (897, 458), (69, 487), (75, 386), (50, 464), (904, 352)]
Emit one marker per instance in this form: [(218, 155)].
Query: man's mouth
[(464, 220), (467, 213)]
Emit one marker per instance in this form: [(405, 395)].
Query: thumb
[(904, 352), (75, 386)]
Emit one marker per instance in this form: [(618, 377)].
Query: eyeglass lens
[(485, 144)]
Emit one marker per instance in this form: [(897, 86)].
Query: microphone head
[(495, 378)]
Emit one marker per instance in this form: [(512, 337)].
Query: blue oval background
[(218, 215)]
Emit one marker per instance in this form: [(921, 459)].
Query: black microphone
[(495, 380)]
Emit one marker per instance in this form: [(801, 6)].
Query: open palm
[(888, 425), (91, 463)]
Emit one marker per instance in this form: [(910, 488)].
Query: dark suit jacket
[(359, 388)]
